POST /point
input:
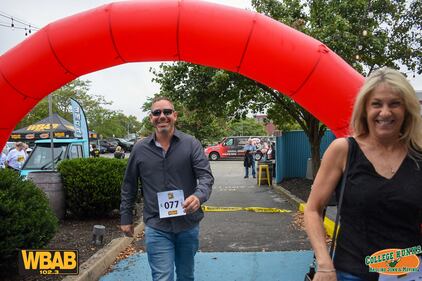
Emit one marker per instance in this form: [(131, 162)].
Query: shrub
[(26, 219), (92, 185)]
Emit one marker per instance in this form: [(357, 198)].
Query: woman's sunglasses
[(166, 112)]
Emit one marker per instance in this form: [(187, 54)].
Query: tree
[(367, 34), (229, 95), (104, 121), (205, 127), (246, 127)]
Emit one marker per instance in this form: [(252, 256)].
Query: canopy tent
[(40, 130)]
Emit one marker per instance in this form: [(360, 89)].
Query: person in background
[(27, 149), (3, 159), (95, 152), (382, 206), (167, 162), (252, 149), (16, 157), (247, 162), (264, 151), (119, 154), (271, 152)]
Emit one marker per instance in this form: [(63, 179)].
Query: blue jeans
[(253, 170), (344, 276), (167, 250)]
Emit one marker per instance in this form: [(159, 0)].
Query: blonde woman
[(382, 203), (119, 153)]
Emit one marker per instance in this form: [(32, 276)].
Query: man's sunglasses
[(166, 112)]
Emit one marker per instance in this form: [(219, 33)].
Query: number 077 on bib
[(170, 203)]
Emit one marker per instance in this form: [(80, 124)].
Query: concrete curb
[(300, 205), (97, 265), (294, 200)]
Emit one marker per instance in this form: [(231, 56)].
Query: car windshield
[(40, 158)]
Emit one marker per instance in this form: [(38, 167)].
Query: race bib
[(170, 203)]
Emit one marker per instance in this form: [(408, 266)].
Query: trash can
[(51, 183), (264, 173), (309, 170)]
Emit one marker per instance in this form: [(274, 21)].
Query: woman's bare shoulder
[(340, 145)]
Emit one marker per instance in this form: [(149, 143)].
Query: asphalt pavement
[(245, 230), (239, 245)]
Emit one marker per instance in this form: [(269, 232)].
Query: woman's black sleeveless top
[(377, 213)]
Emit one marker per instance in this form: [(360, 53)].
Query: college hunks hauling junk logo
[(394, 261)]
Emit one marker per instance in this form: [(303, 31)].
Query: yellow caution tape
[(236, 209), (328, 223)]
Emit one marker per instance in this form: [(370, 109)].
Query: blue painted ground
[(228, 266)]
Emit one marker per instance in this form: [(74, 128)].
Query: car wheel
[(214, 156), (258, 156)]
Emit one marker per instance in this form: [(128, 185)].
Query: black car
[(125, 144), (109, 145), (102, 149)]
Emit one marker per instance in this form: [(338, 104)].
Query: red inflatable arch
[(241, 41)]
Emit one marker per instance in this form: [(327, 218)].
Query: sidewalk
[(254, 266)]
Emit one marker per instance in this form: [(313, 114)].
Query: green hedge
[(26, 219), (92, 185)]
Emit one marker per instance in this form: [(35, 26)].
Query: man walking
[(252, 149), (176, 179)]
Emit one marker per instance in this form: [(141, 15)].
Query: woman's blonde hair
[(118, 148), (411, 131)]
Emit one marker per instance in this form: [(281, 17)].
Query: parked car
[(109, 145), (125, 144), (102, 149)]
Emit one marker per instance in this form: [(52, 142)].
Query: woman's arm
[(329, 174)]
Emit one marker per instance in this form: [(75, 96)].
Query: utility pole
[(50, 113), (240, 98)]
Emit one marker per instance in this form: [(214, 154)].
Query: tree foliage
[(106, 122), (246, 127), (366, 34)]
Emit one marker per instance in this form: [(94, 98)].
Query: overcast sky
[(128, 85)]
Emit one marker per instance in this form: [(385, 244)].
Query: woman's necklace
[(390, 166)]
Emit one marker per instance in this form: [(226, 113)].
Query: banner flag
[(80, 124)]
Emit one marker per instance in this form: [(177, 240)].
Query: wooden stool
[(267, 172)]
